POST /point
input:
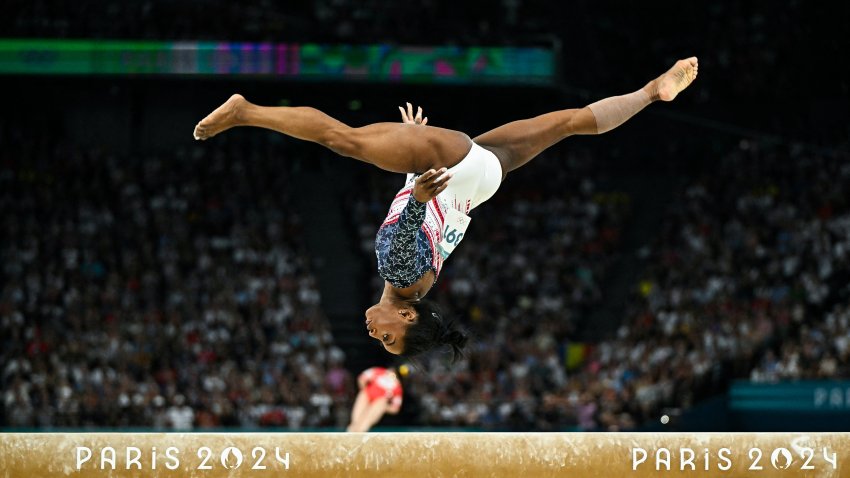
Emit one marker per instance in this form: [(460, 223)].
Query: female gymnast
[(448, 175), (380, 393)]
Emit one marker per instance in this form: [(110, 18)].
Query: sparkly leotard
[(405, 244), (418, 237)]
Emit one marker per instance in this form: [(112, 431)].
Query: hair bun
[(454, 337), (431, 330)]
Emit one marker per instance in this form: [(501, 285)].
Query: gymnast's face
[(387, 322)]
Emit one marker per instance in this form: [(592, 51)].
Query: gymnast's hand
[(408, 118), (430, 184)]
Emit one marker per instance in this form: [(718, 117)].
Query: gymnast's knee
[(580, 121)]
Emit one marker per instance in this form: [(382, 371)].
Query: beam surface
[(373, 455)]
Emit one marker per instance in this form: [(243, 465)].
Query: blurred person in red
[(380, 393)]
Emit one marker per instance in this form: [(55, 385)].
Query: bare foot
[(223, 118), (670, 84)]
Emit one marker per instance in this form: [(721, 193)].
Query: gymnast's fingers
[(404, 117), (441, 181), (409, 110), (418, 118), (425, 121), (436, 180), (425, 177)]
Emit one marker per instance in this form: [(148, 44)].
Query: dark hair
[(431, 330)]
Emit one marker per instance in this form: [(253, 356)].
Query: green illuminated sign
[(377, 63)]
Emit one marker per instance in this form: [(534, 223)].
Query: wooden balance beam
[(410, 455)]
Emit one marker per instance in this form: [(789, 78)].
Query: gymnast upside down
[(448, 175)]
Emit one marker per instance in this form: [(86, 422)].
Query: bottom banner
[(577, 455)]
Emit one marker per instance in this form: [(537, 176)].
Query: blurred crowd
[(167, 290), (748, 278), (751, 265), (174, 290), (815, 350)]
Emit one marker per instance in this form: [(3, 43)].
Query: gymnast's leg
[(518, 142), (371, 415), (359, 408), (396, 147)]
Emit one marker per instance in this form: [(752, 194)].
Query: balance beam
[(575, 455)]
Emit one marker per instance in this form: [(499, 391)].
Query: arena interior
[(688, 272)]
